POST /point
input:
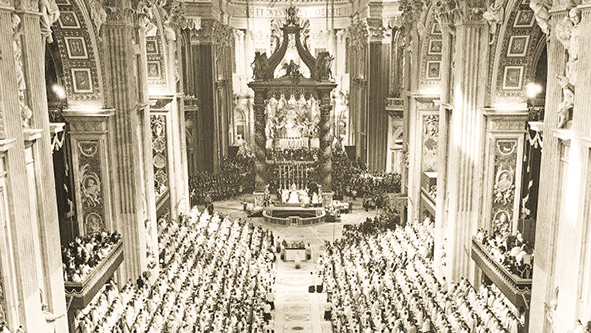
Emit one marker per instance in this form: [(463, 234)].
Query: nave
[(377, 277)]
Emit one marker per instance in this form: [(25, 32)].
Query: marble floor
[(296, 310)]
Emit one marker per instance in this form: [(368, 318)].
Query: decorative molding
[(430, 143), (160, 154), (358, 35), (90, 186), (31, 135), (74, 37), (507, 125), (6, 145)]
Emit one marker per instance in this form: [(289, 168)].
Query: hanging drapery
[(531, 172)]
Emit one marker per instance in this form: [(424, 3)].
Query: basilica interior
[(312, 165)]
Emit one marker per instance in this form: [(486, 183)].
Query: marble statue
[(49, 15), (541, 11), (565, 107), (323, 66), (494, 15), (260, 66)]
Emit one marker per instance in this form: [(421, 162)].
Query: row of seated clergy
[(216, 281), (378, 282)]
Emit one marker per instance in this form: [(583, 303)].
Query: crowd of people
[(380, 278), (217, 278), (84, 253), (297, 154), (510, 250), (235, 176)]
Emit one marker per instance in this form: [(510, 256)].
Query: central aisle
[(296, 310)]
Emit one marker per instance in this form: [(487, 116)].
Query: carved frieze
[(508, 125), (86, 126)]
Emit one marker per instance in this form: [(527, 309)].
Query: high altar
[(292, 110)]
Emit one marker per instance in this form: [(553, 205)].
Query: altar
[(295, 254), (292, 112)]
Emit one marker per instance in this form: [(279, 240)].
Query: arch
[(78, 51), (158, 56), (240, 122), (518, 26), (431, 51)]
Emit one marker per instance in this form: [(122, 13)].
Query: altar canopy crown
[(320, 67)]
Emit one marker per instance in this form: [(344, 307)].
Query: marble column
[(543, 283), (34, 61), (379, 72), (465, 176), (445, 110), (121, 85), (326, 136), (572, 254), (260, 140), (412, 129)]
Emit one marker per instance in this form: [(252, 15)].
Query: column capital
[(358, 34), (452, 13), (377, 31)]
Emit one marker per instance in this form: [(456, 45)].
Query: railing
[(517, 290), (82, 293), (292, 143)]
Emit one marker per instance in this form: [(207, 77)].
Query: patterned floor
[(296, 310)]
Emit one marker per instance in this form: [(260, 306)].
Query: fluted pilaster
[(543, 282), (26, 303), (47, 214), (465, 162), (120, 78)]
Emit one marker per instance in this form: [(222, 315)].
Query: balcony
[(429, 191), (80, 294), (517, 290)]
